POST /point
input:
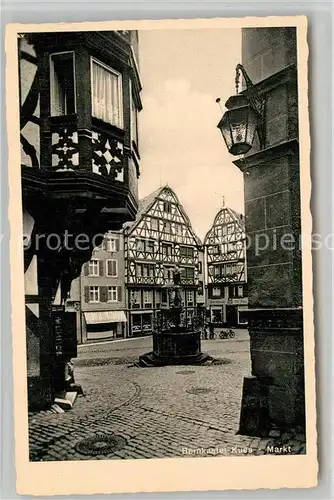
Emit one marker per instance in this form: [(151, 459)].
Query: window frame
[(190, 293), (111, 248), (149, 295), (133, 113), (116, 294), (51, 81), (120, 91), (187, 252), (98, 294), (98, 268), (116, 266), (168, 205)]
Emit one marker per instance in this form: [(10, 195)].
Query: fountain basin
[(175, 347)]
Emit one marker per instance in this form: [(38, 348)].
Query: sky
[(182, 73)]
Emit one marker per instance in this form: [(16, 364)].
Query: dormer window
[(107, 102), (62, 84)]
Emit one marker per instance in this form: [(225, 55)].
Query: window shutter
[(119, 294), (117, 245), (114, 268), (103, 294), (86, 269), (86, 292), (108, 267), (100, 267)]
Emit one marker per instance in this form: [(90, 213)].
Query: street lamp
[(243, 118)]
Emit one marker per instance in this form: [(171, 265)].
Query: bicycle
[(227, 334)]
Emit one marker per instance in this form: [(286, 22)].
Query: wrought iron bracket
[(256, 101)]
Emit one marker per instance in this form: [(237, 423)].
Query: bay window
[(107, 99)]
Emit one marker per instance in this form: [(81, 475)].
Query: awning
[(94, 318)]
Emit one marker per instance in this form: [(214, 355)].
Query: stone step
[(67, 402)]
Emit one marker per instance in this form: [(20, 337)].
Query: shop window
[(217, 316), (216, 292), (147, 322)]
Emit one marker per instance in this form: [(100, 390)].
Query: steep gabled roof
[(146, 203), (236, 215), (143, 206)]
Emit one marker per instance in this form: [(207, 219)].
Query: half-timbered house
[(226, 270), (79, 99), (160, 239)]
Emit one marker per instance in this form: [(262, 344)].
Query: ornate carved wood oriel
[(84, 96)]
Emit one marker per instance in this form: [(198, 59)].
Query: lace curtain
[(106, 95)]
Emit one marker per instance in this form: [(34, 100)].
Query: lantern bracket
[(256, 101)]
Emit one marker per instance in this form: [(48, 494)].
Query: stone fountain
[(176, 340)]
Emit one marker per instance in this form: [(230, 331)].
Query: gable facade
[(226, 269)]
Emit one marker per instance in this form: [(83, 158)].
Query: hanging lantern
[(243, 118), (238, 125)]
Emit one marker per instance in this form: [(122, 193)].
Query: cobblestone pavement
[(160, 412)]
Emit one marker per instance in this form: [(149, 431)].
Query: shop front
[(104, 325), (217, 315), (236, 316), (141, 323)]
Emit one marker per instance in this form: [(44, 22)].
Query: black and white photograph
[(162, 266)]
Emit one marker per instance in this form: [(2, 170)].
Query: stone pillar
[(273, 396)]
